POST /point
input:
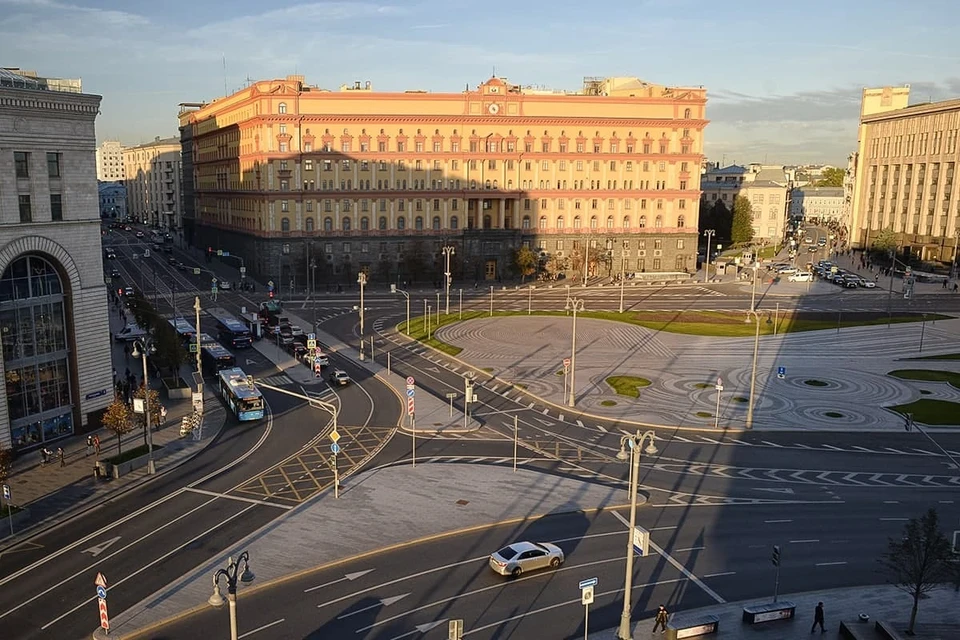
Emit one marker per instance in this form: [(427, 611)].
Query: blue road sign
[(311, 336), (589, 582), (334, 447), (411, 393), (6, 492), (781, 372), (101, 593)]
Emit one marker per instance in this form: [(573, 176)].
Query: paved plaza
[(832, 380)]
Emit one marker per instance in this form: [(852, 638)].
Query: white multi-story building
[(110, 161), (152, 177), (54, 326), (817, 203)]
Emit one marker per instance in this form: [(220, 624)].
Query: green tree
[(170, 352), (920, 561), (831, 177), (117, 419), (154, 403), (742, 226), (525, 261), (6, 459), (884, 241), (555, 266)]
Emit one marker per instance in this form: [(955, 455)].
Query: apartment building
[(152, 177), (820, 203), (290, 175), (110, 161)]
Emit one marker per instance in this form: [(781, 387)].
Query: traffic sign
[(566, 363), (104, 617), (219, 252), (226, 253), (316, 369), (335, 448), (311, 336), (411, 391), (101, 581), (589, 582), (243, 269), (334, 435), (270, 283), (7, 495), (311, 344), (101, 593), (193, 347), (410, 406), (641, 541), (586, 595), (781, 372), (410, 380), (196, 271), (276, 329)]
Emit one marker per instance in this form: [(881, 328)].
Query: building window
[(284, 205), (345, 223), (401, 223), (418, 223), (626, 222), (658, 222), (56, 207), (576, 222), (454, 222), (560, 222), (308, 224), (679, 243), (328, 224), (382, 223), (436, 223), (643, 222), (53, 165), (285, 225), (681, 222), (284, 147), (26, 213), (282, 107), (328, 248), (609, 222), (21, 160), (525, 223)]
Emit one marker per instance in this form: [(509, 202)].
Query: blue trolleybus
[(244, 399), (231, 331)]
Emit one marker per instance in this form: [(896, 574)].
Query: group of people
[(660, 621)]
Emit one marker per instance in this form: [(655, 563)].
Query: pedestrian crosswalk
[(902, 451), (281, 380)]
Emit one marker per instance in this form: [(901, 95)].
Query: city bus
[(237, 390), (230, 330), (214, 357), (184, 329)]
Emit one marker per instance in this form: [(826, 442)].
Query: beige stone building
[(289, 175), (818, 203), (904, 178), (152, 177), (768, 199), (765, 186), (54, 325), (110, 161)]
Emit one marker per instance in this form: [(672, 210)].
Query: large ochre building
[(904, 174), (301, 181), (53, 301)]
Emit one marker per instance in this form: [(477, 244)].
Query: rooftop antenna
[(494, 71), (225, 75)]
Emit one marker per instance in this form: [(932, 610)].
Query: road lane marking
[(772, 444), (829, 564), (384, 602), (776, 521), (580, 423), (173, 551), (833, 448), (348, 576), (689, 549), (100, 548), (893, 519), (258, 629), (240, 498), (679, 567), (891, 502), (945, 501), (803, 541), (717, 575), (892, 450), (664, 528), (602, 428)]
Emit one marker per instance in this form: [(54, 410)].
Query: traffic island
[(628, 386), (692, 626), (769, 612)]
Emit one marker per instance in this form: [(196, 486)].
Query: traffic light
[(776, 555), (270, 294)]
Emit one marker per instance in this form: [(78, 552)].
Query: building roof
[(732, 170), (913, 110), (157, 142), (772, 175), (822, 192), (763, 184), (12, 78)]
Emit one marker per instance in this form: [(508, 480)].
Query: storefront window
[(34, 346)]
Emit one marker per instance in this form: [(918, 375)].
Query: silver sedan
[(515, 559)]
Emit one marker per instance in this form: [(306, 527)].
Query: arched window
[(282, 107), (486, 184), (308, 224), (681, 222), (593, 222), (285, 225), (473, 184), (401, 223), (626, 222), (328, 224), (345, 223), (436, 223), (364, 223), (609, 222), (454, 222), (509, 184), (525, 223), (643, 222), (576, 222), (382, 223), (686, 114), (35, 356), (658, 222), (418, 223), (543, 222), (495, 185), (560, 222)]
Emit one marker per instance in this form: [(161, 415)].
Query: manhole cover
[(463, 502)]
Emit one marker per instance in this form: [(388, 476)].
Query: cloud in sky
[(783, 82)]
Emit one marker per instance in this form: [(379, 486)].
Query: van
[(129, 332)]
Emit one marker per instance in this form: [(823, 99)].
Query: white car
[(786, 270), (295, 330), (513, 560), (801, 276)]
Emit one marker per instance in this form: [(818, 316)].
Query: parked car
[(225, 285), (513, 560), (801, 276), (172, 260)]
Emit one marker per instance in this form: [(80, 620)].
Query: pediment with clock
[(495, 98)]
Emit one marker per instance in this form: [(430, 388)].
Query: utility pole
[(362, 280), (196, 308), (448, 251), (623, 270), (706, 265), (574, 304)]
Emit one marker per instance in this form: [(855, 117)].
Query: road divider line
[(830, 564), (717, 575), (259, 629), (677, 565), (689, 549), (776, 521), (803, 541), (893, 519), (891, 502), (240, 498)]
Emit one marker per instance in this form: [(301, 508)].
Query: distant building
[(110, 161), (113, 200), (819, 203), (769, 202), (766, 187), (152, 178), (722, 183), (905, 174), (54, 321)]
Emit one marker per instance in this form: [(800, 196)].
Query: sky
[(783, 79)]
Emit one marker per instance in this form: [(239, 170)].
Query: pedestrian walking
[(96, 445), (818, 618), (63, 462), (163, 416), (661, 620), (44, 456), (89, 446)]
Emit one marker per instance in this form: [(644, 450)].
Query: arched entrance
[(33, 333)]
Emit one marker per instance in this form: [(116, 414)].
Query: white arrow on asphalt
[(903, 478), (100, 548), (547, 423), (850, 478), (384, 602), (348, 576), (719, 471), (876, 479), (434, 369), (774, 489), (822, 477), (249, 361), (745, 473)]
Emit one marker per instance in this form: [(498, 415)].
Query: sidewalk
[(938, 617)]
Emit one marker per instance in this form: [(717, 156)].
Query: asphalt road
[(724, 553)]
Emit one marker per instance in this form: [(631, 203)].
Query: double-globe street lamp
[(633, 442), (231, 574), (448, 251), (753, 371), (575, 305), (142, 347)]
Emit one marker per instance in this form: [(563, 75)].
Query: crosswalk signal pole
[(776, 563)]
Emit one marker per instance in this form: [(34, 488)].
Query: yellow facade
[(281, 160), (152, 177), (904, 177)]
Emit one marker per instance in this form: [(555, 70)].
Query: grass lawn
[(943, 356), (608, 403), (927, 376), (704, 414), (627, 385), (130, 454), (932, 412)]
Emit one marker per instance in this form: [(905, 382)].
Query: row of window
[(436, 204), (21, 164), (26, 207), (543, 245), (346, 223), (474, 164), (905, 145), (454, 185)]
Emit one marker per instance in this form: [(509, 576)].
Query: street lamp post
[(634, 442), (753, 290), (394, 289), (753, 370), (141, 348), (230, 573), (362, 281), (448, 251), (575, 305), (623, 270), (709, 233)]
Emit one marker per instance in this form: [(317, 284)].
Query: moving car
[(114, 273), (339, 377), (225, 285), (801, 276), (513, 560), (129, 332)]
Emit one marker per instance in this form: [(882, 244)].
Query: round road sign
[(409, 379), (335, 448)]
